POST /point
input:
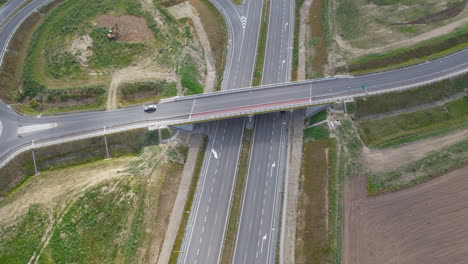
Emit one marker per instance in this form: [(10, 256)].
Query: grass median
[(262, 42)]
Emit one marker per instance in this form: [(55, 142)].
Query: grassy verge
[(215, 27), (318, 169), (167, 133), (262, 41), (150, 91), (231, 232), (316, 133), (319, 117), (408, 127), (436, 164), (348, 150), (297, 28), (425, 50), (188, 204), (74, 153), (318, 43), (238, 2), (190, 76), (388, 102), (19, 242)]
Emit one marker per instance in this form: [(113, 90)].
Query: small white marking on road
[(264, 238), (198, 251), (215, 154)]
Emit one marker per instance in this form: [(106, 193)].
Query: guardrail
[(153, 124)]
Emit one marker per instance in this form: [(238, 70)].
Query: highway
[(209, 214), (204, 236), (261, 205)]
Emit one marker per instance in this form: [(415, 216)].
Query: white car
[(150, 108)]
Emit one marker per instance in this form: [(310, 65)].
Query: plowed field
[(424, 224)]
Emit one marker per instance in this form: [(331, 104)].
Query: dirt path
[(185, 9), (304, 35), (423, 224), (406, 42), (145, 70), (387, 159)]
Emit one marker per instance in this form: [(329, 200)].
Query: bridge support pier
[(250, 122)]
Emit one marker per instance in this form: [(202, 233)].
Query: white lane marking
[(1, 127), (273, 165), (263, 239), (215, 154), (243, 21), (35, 128)]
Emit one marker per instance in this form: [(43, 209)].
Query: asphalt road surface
[(188, 107), (11, 17), (204, 236), (258, 225)]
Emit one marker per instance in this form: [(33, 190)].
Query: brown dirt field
[(131, 28), (424, 224), (387, 159)]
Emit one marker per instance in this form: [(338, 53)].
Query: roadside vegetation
[(404, 128), (233, 222), (317, 44), (215, 27), (261, 46), (98, 212), (295, 51), (188, 204), (391, 102)]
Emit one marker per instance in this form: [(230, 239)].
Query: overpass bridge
[(217, 105)]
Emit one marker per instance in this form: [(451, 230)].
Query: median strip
[(262, 39)]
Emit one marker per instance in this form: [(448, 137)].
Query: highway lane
[(261, 205), (204, 236), (11, 19)]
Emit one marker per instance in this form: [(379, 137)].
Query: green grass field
[(430, 93), (408, 127), (316, 132), (92, 230), (19, 241)]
